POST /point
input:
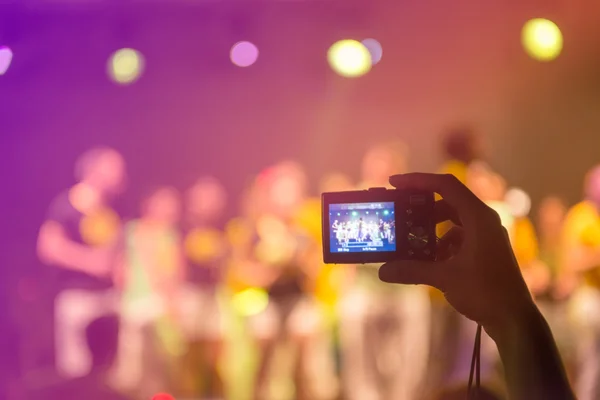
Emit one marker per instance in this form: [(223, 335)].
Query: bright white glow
[(349, 58), (375, 50), (518, 201), (542, 39), (6, 56), (125, 66)]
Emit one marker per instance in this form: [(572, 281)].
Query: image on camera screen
[(362, 227)]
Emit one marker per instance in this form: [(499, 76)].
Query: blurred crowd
[(181, 301)]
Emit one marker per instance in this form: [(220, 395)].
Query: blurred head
[(462, 144), (282, 188), (102, 337), (485, 183), (592, 186), (382, 161), (102, 168), (551, 214), (335, 182), (162, 205), (206, 199)]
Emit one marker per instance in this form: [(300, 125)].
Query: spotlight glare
[(375, 49), (6, 56), (125, 66), (243, 54), (518, 201), (542, 39), (349, 58)]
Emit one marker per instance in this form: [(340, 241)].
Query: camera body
[(378, 225)]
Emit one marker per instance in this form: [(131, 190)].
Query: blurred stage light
[(6, 56), (125, 66), (375, 50), (243, 54), (163, 396), (349, 58), (542, 39), (518, 201), (250, 301)]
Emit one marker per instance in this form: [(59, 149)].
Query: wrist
[(515, 322)]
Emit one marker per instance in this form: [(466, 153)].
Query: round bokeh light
[(349, 58), (542, 39), (375, 50), (125, 66), (244, 54), (6, 56)]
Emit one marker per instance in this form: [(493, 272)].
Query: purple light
[(375, 50), (6, 56), (244, 54)]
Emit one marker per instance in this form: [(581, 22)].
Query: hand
[(100, 262), (476, 268)]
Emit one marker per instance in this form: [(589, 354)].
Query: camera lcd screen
[(362, 227)]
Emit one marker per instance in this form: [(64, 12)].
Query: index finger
[(448, 186)]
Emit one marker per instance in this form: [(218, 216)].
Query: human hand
[(476, 268)]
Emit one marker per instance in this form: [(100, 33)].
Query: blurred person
[(102, 342), (206, 249), (513, 210), (78, 238), (579, 276), (461, 148), (479, 276), (550, 219), (150, 279), (383, 329), (280, 262)]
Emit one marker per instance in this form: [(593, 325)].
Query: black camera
[(378, 225)]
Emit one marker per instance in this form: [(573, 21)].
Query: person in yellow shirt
[(460, 147), (579, 274)]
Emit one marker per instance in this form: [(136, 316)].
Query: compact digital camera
[(378, 225)]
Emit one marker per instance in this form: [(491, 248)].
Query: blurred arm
[(532, 365), (54, 247)]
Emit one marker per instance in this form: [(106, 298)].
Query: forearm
[(532, 365)]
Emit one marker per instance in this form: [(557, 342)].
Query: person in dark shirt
[(78, 241), (205, 248)]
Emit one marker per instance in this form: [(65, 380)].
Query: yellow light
[(542, 39), (250, 301), (125, 66), (349, 58)]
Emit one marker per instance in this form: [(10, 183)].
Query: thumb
[(414, 273)]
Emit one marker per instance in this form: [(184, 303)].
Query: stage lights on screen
[(243, 54), (125, 66), (6, 56), (349, 58), (542, 39)]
